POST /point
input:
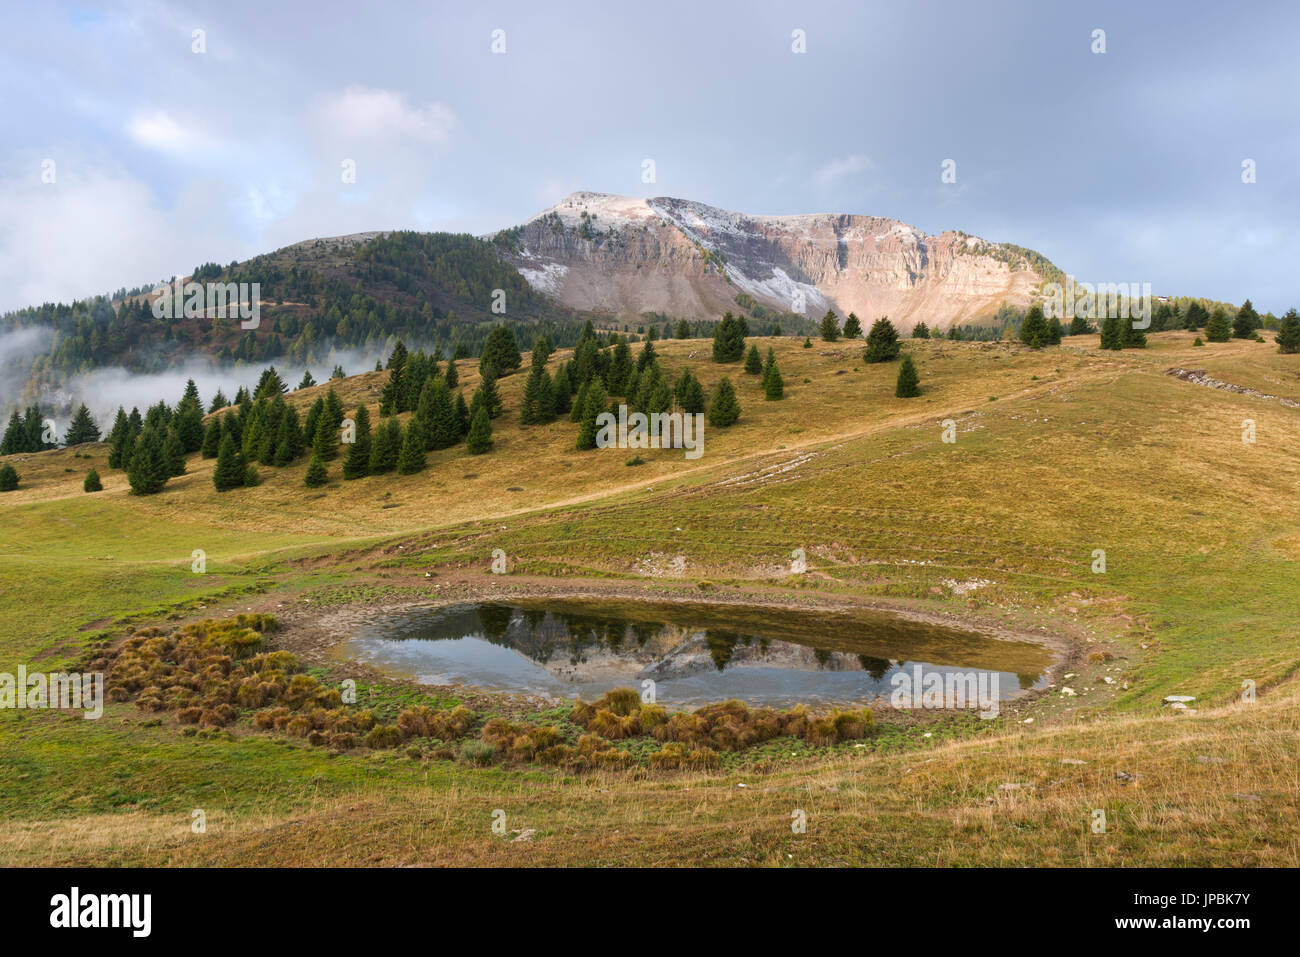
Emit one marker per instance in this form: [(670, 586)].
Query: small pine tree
[(1243, 327), (174, 453), (149, 468), (724, 410), (479, 439), (212, 439), (411, 458), (8, 478), (1218, 329), (317, 474), (325, 443), (92, 482), (592, 407), (387, 445), (1112, 333), (356, 464), (920, 331), (229, 470), (852, 327), (753, 362), (307, 381), (82, 428), (1033, 331), (773, 384), (909, 383), (882, 342), (830, 327), (1079, 326), (1288, 333), (807, 342)]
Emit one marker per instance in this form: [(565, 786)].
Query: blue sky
[(1119, 166)]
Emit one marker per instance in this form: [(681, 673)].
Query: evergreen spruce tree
[(1218, 329), (683, 329), (219, 401), (539, 398), (479, 439), (307, 381), (593, 405), (1129, 337), (729, 339), (852, 327), (1196, 315), (1033, 331), (502, 350), (620, 368), (753, 362), (148, 470), (356, 464), (920, 331), (1053, 332), (451, 375), (443, 424), (1079, 326), (386, 447), (909, 383), (325, 443), (117, 437), (773, 384), (462, 413), (8, 478), (486, 394), (830, 327), (82, 428), (882, 342), (1243, 326), (317, 474), (724, 410), (212, 438), (563, 390), (1288, 333), (15, 437), (92, 482), (1112, 333), (174, 453), (229, 470), (411, 458)]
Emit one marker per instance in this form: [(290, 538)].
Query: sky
[(134, 148)]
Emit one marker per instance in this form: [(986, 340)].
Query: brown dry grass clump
[(728, 726)]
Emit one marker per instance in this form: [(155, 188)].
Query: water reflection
[(694, 652)]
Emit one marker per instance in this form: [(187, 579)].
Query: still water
[(694, 652)]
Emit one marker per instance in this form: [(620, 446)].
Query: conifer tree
[(212, 438), (852, 327), (441, 420), (325, 443), (307, 381), (1079, 326), (753, 362), (1112, 333), (229, 470), (411, 458), (451, 375), (909, 383), (593, 405), (479, 439), (683, 329), (620, 368), (174, 454), (773, 384), (1033, 331), (462, 413), (562, 389), (8, 478), (882, 342), (82, 428), (830, 327), (486, 394), (148, 470), (386, 447), (219, 401), (502, 350), (92, 482), (317, 474), (1288, 333), (1218, 329), (920, 331), (356, 464), (724, 410), (1243, 326)]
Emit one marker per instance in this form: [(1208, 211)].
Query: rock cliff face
[(628, 256)]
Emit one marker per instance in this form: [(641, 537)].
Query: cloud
[(158, 131), (383, 117), (838, 169)]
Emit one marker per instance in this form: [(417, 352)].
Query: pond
[(695, 653)]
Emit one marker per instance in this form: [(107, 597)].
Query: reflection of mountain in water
[(582, 647)]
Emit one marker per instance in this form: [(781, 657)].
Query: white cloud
[(159, 131), (361, 114), (838, 169)]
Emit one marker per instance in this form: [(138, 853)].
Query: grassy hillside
[(1059, 452)]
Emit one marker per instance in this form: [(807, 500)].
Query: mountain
[(626, 256)]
